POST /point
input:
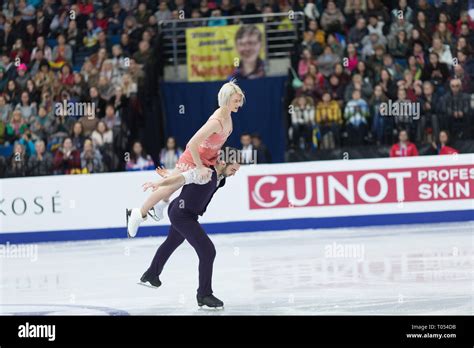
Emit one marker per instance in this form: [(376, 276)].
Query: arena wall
[(342, 193)]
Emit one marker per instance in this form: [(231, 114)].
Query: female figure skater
[(201, 152)]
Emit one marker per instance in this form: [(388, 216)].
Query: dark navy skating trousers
[(185, 226)]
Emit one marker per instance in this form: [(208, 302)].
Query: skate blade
[(147, 285), (154, 217), (210, 309), (128, 212)]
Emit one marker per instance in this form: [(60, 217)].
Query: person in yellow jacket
[(329, 121)]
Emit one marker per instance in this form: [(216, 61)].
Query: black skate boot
[(150, 280), (210, 301)]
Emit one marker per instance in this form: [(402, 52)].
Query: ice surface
[(406, 269)]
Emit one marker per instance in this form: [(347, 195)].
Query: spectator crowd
[(93, 53), (355, 58), (359, 57)]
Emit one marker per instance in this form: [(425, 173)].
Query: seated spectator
[(22, 77), (443, 51), (358, 32), (456, 108), (356, 114), (332, 19), (305, 61), (308, 43), (111, 119), (3, 79), (72, 35), (139, 160), (405, 117), (16, 127), (329, 121), (20, 52), (28, 141), (42, 46), (398, 47), (41, 163), (17, 163), (404, 147), (5, 110), (395, 69), (382, 127), (302, 121), (388, 85), (335, 45), (90, 38), (370, 44), (327, 61), (216, 22), (467, 83), (414, 68), (91, 158), (62, 53), (436, 72), (26, 107), (351, 59), (247, 148), (67, 159), (442, 148), (163, 13), (101, 136), (144, 53), (170, 154), (66, 77), (60, 21), (262, 152), (42, 124), (429, 122), (375, 25), (364, 87), (77, 136), (98, 102)]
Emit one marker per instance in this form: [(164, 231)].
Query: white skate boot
[(134, 219)]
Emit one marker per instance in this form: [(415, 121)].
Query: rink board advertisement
[(263, 197)]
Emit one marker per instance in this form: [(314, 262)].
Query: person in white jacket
[(443, 51)]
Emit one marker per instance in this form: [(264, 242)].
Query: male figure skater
[(183, 213)]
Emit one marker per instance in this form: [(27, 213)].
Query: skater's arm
[(180, 179), (175, 179), (210, 127)]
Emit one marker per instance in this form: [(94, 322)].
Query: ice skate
[(156, 213), (209, 301), (149, 280), (134, 219)]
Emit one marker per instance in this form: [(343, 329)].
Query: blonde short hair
[(227, 90)]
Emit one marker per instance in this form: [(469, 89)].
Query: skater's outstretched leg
[(136, 216)]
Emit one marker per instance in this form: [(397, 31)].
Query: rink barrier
[(305, 195), (245, 226)]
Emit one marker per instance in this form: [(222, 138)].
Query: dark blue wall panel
[(262, 111)]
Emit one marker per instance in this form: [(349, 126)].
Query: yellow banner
[(216, 53)]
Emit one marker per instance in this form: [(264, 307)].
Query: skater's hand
[(153, 185), (162, 171), (204, 173)]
